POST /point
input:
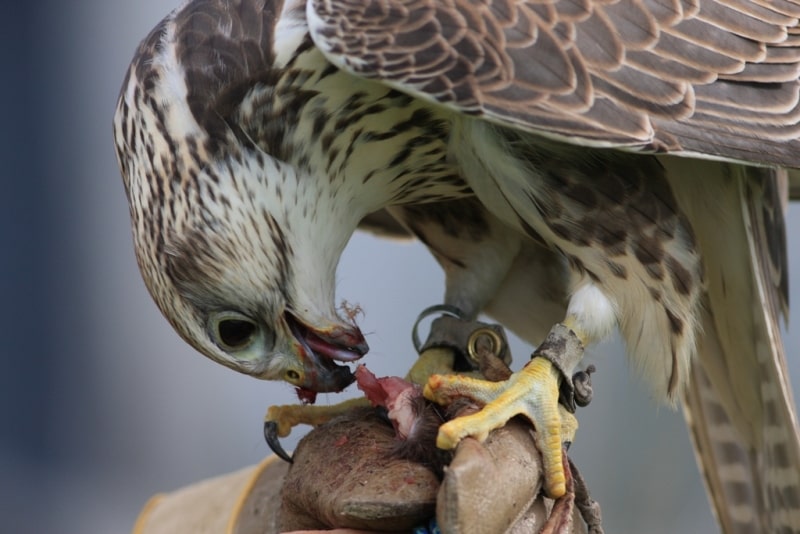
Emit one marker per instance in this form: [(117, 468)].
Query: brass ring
[(472, 350)]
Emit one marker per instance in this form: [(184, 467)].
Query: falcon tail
[(739, 405)]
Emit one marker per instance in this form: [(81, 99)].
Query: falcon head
[(238, 248)]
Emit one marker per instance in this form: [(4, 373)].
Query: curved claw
[(280, 420), (271, 437), (532, 392)]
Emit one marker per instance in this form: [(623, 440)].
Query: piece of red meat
[(400, 398)]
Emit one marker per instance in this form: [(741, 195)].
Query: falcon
[(571, 164)]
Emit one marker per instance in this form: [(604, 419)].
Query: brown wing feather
[(658, 75), (223, 50)]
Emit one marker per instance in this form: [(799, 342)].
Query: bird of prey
[(601, 165)]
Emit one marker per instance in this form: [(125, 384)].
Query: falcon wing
[(689, 77), (705, 79)]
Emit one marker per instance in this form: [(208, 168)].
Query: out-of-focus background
[(102, 405)]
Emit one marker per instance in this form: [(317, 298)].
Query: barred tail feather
[(725, 463), (739, 404)]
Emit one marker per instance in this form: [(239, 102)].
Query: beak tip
[(361, 348)]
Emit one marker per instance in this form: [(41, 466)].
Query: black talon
[(271, 437)]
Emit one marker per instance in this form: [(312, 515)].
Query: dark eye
[(232, 331), (236, 333)]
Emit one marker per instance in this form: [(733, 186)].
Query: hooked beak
[(319, 349)]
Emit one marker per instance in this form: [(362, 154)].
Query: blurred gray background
[(103, 405)]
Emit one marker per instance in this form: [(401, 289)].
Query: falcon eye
[(233, 331)]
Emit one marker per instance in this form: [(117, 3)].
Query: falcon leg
[(534, 391)]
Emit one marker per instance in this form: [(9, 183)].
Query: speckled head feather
[(234, 151)]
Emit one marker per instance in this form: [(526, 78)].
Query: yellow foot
[(433, 361), (532, 392), (280, 420), (289, 416)]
